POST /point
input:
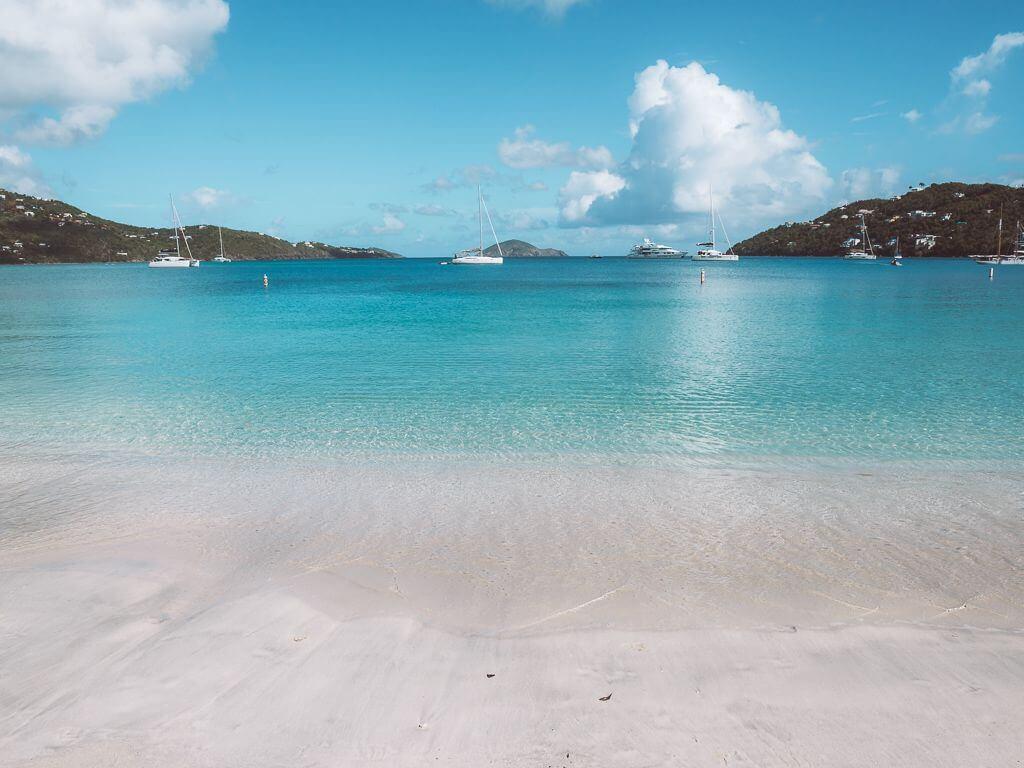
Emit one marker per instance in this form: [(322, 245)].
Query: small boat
[(173, 259), (648, 249), (707, 251), (859, 254), (222, 259), (596, 256), (477, 255), (896, 255)]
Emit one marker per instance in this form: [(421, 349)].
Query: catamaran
[(1015, 259), (222, 259), (477, 255), (860, 254), (707, 251), (165, 258)]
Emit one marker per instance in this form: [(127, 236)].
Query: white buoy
[(266, 281), (991, 273), (702, 277)]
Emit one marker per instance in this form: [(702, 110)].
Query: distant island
[(519, 249), (37, 231), (948, 220)]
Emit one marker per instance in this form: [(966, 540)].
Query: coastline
[(246, 612)]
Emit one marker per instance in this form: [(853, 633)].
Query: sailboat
[(896, 255), (222, 259), (859, 254), (1016, 259), (165, 259), (707, 251), (477, 255)]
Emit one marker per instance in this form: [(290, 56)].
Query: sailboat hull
[(478, 260), (715, 257)]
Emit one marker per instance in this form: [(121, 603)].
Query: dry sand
[(158, 613)]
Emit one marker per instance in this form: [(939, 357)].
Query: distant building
[(925, 241), (850, 242), (921, 214)]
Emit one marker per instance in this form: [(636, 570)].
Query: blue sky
[(369, 123)]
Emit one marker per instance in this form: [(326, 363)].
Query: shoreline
[(160, 613)]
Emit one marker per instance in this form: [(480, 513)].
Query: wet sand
[(221, 613)]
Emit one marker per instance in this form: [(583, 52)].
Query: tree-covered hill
[(950, 219), (37, 231)]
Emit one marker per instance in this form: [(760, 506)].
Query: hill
[(519, 249), (940, 220), (36, 231)]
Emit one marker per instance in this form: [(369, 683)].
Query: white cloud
[(583, 189), (389, 226), (552, 8), (208, 197), (430, 209), (524, 151), (969, 88), (912, 116), (691, 132), (86, 58), (973, 66), (18, 174), (861, 183), (863, 118), (977, 88), (537, 186)]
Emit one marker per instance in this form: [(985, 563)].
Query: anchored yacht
[(222, 259), (165, 258), (1015, 259), (859, 254), (477, 255), (649, 249), (707, 251)]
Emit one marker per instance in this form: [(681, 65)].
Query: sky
[(588, 123)]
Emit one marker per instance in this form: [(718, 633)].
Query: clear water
[(770, 358)]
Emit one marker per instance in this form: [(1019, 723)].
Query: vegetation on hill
[(940, 220), (36, 231), (519, 249)]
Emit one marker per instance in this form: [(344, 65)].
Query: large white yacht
[(707, 251), (860, 254), (649, 249), (173, 259), (477, 255)]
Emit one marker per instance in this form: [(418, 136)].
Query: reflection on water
[(786, 358)]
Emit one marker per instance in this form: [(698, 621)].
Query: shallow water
[(790, 360)]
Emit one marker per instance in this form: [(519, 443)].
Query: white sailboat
[(1015, 259), (896, 255), (860, 254), (166, 259), (707, 251), (222, 259), (477, 255)]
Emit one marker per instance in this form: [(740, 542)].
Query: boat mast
[(711, 216), (999, 237), (480, 216), (174, 226), (220, 236)]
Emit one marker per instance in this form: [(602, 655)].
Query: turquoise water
[(771, 358)]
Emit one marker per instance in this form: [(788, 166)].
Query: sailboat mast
[(999, 237), (220, 236), (480, 216), (174, 226), (711, 215)]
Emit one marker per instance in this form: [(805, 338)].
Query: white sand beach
[(157, 613)]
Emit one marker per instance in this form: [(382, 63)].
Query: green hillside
[(949, 220)]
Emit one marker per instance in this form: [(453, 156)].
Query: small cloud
[(861, 183), (18, 174), (912, 116), (555, 9), (537, 186), (524, 151), (1013, 157), (431, 209), (271, 170), (389, 226), (208, 197), (74, 125), (993, 58), (864, 118), (467, 176), (977, 88)]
